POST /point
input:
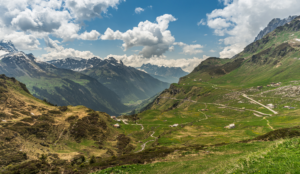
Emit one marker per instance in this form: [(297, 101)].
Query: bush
[(93, 160), (63, 108)]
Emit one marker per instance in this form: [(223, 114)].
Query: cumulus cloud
[(21, 40), (55, 51), (137, 61), (212, 51), (36, 19), (241, 20), (138, 10), (154, 37), (190, 49), (89, 9)]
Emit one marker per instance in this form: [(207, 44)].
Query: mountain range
[(58, 86), (163, 73), (127, 82)]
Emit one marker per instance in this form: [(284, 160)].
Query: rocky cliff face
[(273, 25)]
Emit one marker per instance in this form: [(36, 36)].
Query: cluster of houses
[(274, 84), (271, 106), (289, 107), (231, 126), (270, 85)]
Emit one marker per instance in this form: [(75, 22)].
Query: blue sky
[(163, 32), (184, 29)]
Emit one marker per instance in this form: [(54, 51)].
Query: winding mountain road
[(144, 145)]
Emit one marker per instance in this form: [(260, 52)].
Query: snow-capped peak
[(8, 45)]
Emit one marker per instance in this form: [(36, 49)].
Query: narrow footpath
[(144, 145)]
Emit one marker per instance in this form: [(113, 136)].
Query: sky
[(174, 33)]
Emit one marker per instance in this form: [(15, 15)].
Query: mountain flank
[(59, 86), (128, 83)]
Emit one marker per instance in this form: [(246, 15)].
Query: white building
[(231, 126), (271, 106)]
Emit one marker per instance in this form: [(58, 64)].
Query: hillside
[(37, 137), (165, 74), (236, 115), (58, 86), (130, 84)]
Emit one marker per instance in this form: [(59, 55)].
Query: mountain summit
[(273, 25), (8, 45)]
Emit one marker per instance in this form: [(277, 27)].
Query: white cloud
[(154, 37), (241, 20), (56, 51), (138, 60), (36, 19), (201, 22), (89, 9), (212, 51), (138, 10), (190, 49), (21, 40), (93, 35), (194, 41)]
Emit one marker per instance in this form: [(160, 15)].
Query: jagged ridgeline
[(275, 57), (38, 137), (58, 86), (127, 82)]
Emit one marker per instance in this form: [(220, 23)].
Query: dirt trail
[(244, 95), (59, 136), (203, 113), (268, 123), (141, 126), (144, 145)]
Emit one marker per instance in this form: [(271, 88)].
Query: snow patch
[(2, 52)]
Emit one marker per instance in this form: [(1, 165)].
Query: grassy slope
[(177, 105), (30, 127)]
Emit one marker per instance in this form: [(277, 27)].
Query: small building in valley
[(113, 117), (231, 126), (174, 125), (271, 106), (117, 125)]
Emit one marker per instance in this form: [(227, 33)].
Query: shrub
[(93, 160), (63, 108)]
